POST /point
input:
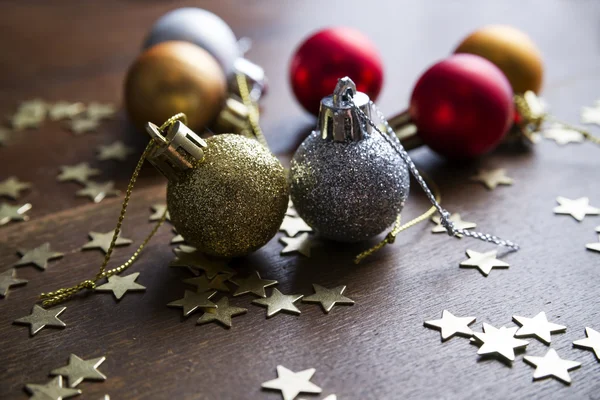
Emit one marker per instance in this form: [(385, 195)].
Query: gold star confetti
[(178, 238), (483, 261), (80, 369), (8, 279), (29, 115), (450, 325), (83, 125), (458, 224), (592, 342), (65, 110), (291, 211), (491, 178), (499, 341), (222, 314), (41, 318), (537, 326), (292, 226), (97, 191), (591, 115), (120, 285), (79, 173), (52, 390), (13, 213), (278, 302), (577, 208), (196, 260), (4, 136), (301, 244), (159, 210), (253, 284), (102, 241), (551, 365), (11, 187), (38, 256), (101, 111), (291, 384), (203, 284), (563, 135), (328, 297), (115, 151), (192, 301)]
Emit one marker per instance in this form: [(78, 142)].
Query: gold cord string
[(253, 113), (60, 295)]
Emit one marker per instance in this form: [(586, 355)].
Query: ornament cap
[(338, 121), (255, 76), (177, 149)]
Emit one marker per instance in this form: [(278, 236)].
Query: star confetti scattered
[(79, 369), (551, 365), (65, 110), (101, 111), (491, 178), (538, 327), (38, 257), (591, 115), (499, 341), (192, 301), (253, 284), (41, 318), (278, 302), (291, 384), (328, 297), (291, 211), (13, 213), (483, 261), (299, 244), (98, 191), (12, 187), (30, 114), (456, 219), (80, 126), (52, 390), (577, 208), (592, 342), (449, 325), (115, 151), (120, 285), (594, 246), (102, 241), (196, 260), (293, 225), (159, 210), (563, 134), (177, 239), (203, 284), (9, 279), (222, 314), (80, 173)]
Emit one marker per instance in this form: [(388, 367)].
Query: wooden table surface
[(377, 349)]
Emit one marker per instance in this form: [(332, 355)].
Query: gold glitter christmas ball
[(234, 201)]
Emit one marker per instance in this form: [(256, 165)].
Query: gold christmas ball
[(234, 201), (174, 77), (512, 51)]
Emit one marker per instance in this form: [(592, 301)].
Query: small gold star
[(30, 114), (115, 151), (301, 244), (328, 297), (291, 211), (483, 261), (278, 302), (20, 122), (159, 210), (594, 246), (292, 226), (499, 341), (591, 115), (83, 125), (563, 135), (222, 314), (291, 384), (203, 284), (120, 285), (592, 342), (253, 284), (450, 325), (13, 213), (65, 110), (4, 136), (101, 111), (491, 178), (198, 261), (52, 390), (458, 224), (178, 238), (538, 326), (41, 318), (79, 173), (97, 191), (191, 301), (80, 369), (39, 256), (11, 187), (102, 241), (577, 208), (8, 279), (551, 365)]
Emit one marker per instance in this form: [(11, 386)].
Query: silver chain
[(393, 140)]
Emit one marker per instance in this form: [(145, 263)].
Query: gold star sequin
[(278, 302), (592, 342), (65, 110), (97, 191), (491, 178), (293, 225), (253, 284), (577, 208), (52, 390), (499, 341), (80, 125), (79, 369), (538, 326), (458, 224), (591, 115), (12, 187), (38, 256), (177, 239), (41, 318), (196, 260), (13, 213), (4, 136), (192, 301), (159, 210), (551, 365), (300, 244), (8, 279), (101, 111), (120, 285), (483, 261), (30, 114), (222, 314), (449, 325), (203, 284), (563, 135), (79, 173), (291, 384), (102, 241), (328, 297), (115, 151)]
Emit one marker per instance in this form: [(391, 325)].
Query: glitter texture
[(348, 191), (234, 201)]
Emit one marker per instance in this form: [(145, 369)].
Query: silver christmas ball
[(200, 27)]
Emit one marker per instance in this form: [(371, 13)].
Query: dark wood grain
[(377, 349)]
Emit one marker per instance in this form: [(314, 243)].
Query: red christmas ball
[(462, 106), (329, 55)]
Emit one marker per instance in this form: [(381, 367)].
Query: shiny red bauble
[(329, 55), (462, 106)]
